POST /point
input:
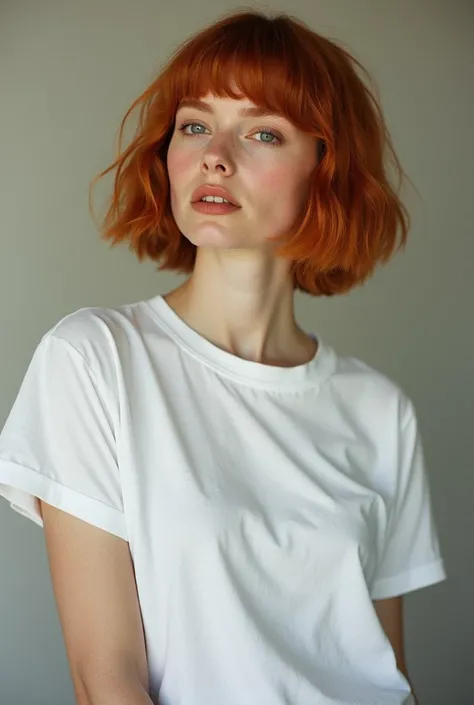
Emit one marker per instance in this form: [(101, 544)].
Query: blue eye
[(259, 132), (188, 124), (272, 134)]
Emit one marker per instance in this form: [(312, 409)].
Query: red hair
[(352, 219)]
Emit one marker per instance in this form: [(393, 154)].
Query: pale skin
[(249, 291)]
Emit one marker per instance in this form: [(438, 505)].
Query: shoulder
[(95, 332), (370, 393), (377, 411), (94, 339)]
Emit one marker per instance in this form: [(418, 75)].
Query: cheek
[(178, 163), (283, 188), (275, 180)]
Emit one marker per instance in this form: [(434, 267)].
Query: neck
[(245, 306)]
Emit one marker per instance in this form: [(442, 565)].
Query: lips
[(213, 190)]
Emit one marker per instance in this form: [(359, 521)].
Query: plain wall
[(68, 72)]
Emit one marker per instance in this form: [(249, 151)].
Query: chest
[(261, 482)]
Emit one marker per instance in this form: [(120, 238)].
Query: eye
[(189, 124), (272, 134), (277, 138)]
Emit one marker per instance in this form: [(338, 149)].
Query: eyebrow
[(258, 111)]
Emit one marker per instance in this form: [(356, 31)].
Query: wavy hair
[(352, 219)]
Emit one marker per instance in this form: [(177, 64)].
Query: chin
[(217, 235)]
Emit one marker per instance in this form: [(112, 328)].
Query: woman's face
[(267, 174)]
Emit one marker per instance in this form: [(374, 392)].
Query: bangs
[(259, 64)]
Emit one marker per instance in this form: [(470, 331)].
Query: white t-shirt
[(265, 507)]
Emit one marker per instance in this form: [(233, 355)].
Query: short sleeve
[(410, 557), (59, 441)]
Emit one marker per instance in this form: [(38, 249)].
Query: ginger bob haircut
[(352, 218)]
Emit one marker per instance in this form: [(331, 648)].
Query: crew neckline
[(308, 373)]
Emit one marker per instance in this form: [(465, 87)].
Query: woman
[(232, 510)]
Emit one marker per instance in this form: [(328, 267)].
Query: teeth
[(214, 199)]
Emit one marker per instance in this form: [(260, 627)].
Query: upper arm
[(390, 614), (94, 586)]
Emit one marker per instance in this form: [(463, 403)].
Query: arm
[(390, 614), (94, 587)]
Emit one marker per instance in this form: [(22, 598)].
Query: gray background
[(68, 72)]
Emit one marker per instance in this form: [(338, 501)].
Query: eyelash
[(268, 132)]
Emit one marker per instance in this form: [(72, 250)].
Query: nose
[(216, 157)]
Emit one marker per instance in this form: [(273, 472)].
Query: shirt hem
[(22, 487), (415, 579)]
